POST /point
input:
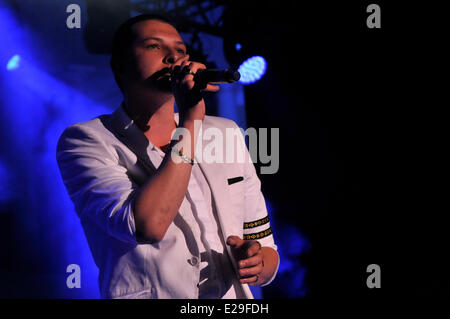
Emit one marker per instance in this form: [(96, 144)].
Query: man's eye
[(181, 51), (152, 46)]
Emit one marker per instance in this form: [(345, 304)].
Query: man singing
[(159, 222)]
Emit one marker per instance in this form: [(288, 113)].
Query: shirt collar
[(127, 124)]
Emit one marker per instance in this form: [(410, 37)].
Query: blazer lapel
[(129, 134)]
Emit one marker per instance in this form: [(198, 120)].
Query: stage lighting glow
[(5, 180), (13, 63), (238, 46), (252, 69)]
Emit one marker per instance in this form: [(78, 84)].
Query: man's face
[(156, 47)]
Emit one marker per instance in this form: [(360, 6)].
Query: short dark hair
[(123, 37)]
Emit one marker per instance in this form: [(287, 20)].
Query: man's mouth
[(165, 77), (163, 73), (161, 79)]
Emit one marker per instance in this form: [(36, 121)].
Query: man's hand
[(187, 92), (250, 259)]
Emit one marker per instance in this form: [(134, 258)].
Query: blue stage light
[(238, 46), (13, 63), (5, 183), (252, 69)]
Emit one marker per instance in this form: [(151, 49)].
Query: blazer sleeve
[(98, 186), (256, 220)]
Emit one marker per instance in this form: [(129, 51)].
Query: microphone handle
[(217, 76)]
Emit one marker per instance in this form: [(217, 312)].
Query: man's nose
[(171, 57)]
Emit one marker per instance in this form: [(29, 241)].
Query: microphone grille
[(233, 75)]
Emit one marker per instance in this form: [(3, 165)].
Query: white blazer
[(103, 162)]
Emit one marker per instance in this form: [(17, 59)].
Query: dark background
[(362, 142)]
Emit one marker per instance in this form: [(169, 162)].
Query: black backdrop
[(361, 142)]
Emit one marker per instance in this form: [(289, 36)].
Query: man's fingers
[(249, 280), (212, 88), (184, 71), (246, 248), (254, 248), (234, 241), (252, 261), (176, 68), (251, 271), (185, 64)]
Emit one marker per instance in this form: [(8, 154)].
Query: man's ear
[(117, 71), (116, 67)]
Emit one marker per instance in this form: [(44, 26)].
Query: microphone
[(216, 76)]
